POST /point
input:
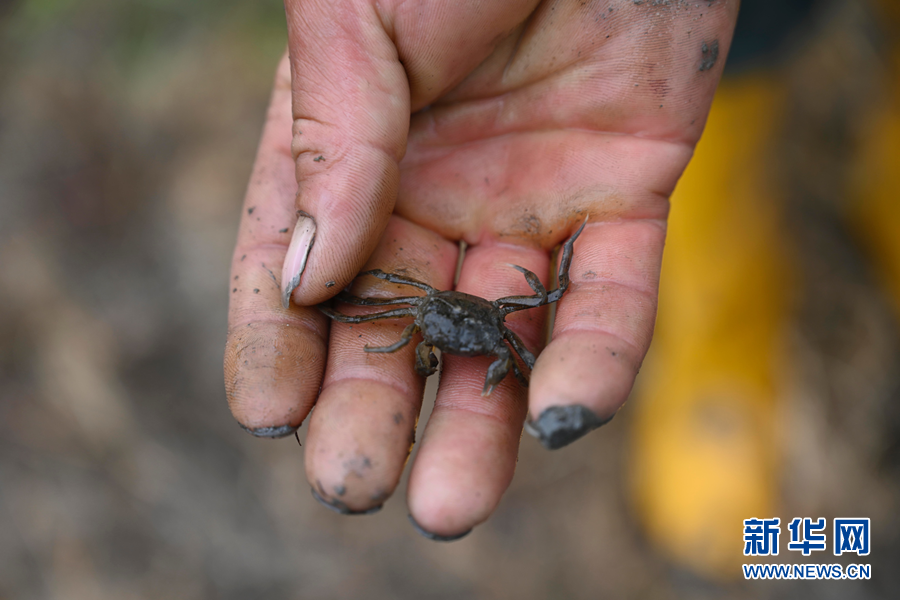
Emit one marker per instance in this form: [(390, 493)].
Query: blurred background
[(127, 132)]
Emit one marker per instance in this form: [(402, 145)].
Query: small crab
[(459, 323)]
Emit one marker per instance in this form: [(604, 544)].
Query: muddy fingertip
[(341, 508), (434, 536), (274, 432), (559, 426)]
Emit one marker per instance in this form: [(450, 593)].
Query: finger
[(350, 120), (273, 356), (468, 453), (361, 432), (603, 327)]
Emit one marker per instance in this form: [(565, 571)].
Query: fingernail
[(559, 426), (341, 508), (435, 537), (271, 432), (298, 252)]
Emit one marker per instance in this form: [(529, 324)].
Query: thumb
[(351, 108)]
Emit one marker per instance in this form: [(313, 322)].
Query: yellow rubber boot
[(876, 188), (704, 449)]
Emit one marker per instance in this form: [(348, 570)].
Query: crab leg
[(351, 299), (497, 371), (407, 335), (533, 281), (514, 303), (394, 278), (426, 361), (511, 304), (520, 377), (389, 314), (564, 264), (519, 346)]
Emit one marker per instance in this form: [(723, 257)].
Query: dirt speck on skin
[(398, 418), (285, 230), (528, 224), (250, 210), (358, 465), (340, 490), (710, 54), (329, 284), (651, 2), (589, 275)]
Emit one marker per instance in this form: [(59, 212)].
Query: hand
[(416, 125)]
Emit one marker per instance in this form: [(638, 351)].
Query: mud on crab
[(459, 323)]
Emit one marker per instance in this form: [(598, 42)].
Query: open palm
[(411, 126)]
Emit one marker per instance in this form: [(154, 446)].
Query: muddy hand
[(407, 127)]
